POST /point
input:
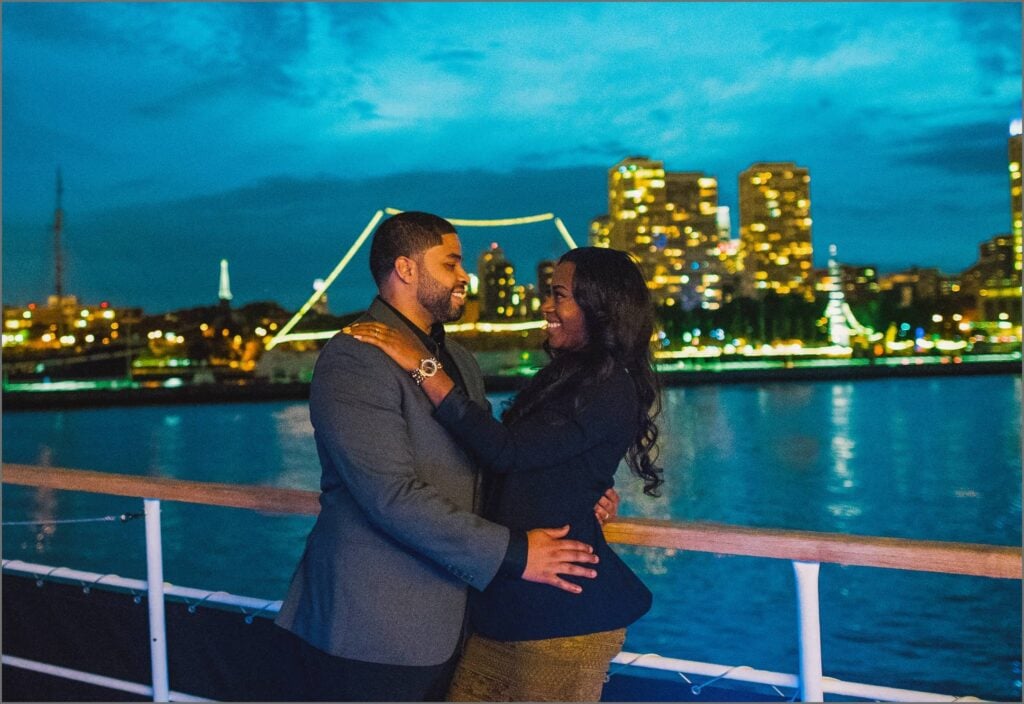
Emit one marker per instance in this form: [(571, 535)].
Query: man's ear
[(405, 267)]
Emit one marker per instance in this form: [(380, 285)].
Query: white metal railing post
[(809, 616), (155, 597)]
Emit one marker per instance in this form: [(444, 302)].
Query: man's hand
[(549, 554), (607, 506)]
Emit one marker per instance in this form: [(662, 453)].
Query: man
[(378, 599)]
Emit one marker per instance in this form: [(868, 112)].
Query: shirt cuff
[(452, 408), (514, 563)]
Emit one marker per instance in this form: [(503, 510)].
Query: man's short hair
[(404, 235)]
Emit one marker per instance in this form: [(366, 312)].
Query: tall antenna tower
[(58, 255)]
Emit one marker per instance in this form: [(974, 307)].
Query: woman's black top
[(554, 465)]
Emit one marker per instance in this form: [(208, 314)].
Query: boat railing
[(804, 549)]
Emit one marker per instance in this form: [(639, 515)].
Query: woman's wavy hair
[(610, 288)]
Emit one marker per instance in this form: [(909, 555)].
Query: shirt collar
[(433, 341)]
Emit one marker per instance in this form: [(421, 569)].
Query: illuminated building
[(639, 223), (1015, 194), (34, 327), (668, 222), (775, 229), (497, 285), (692, 202), (914, 284), (994, 280), (859, 284), (600, 232)]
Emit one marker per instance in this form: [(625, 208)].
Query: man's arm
[(355, 406)]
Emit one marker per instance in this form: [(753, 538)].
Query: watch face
[(428, 367)]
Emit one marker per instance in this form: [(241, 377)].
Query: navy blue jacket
[(554, 465)]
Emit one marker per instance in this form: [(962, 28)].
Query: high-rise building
[(640, 223), (497, 285), (775, 229), (692, 201), (1015, 194), (668, 222)]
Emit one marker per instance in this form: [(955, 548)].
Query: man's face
[(441, 288)]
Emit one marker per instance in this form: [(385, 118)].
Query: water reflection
[(300, 467), (930, 459)]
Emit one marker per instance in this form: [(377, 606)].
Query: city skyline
[(269, 134)]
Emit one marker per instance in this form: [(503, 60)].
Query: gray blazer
[(384, 574)]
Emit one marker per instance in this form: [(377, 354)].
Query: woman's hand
[(607, 507), (406, 351)]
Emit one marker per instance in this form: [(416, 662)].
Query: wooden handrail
[(1003, 562), (259, 498)]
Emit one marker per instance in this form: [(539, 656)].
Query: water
[(936, 459)]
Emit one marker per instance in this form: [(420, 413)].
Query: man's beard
[(437, 300)]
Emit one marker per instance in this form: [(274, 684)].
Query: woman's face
[(567, 329)]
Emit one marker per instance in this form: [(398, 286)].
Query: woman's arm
[(407, 352), (536, 442)]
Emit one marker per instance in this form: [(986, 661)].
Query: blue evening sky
[(270, 133)]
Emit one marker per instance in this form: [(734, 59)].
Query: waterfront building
[(668, 222), (994, 280), (639, 223), (915, 284), (1015, 193), (66, 324), (692, 202), (497, 284), (775, 229), (858, 283)]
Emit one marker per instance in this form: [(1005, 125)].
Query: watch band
[(428, 368)]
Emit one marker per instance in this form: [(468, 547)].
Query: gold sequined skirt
[(570, 669)]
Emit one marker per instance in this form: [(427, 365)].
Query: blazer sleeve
[(356, 409), (542, 439)]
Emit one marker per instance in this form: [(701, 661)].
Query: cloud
[(59, 23), (462, 62), (993, 30), (811, 40), (364, 109), (971, 148)]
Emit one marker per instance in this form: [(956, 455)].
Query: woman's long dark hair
[(610, 289)]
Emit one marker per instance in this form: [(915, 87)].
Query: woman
[(553, 455)]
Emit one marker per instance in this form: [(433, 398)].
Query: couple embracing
[(455, 556)]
